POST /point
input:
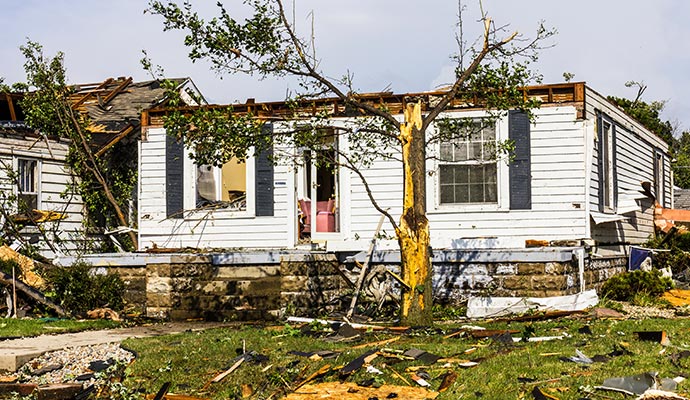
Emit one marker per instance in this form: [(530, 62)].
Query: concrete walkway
[(17, 352)]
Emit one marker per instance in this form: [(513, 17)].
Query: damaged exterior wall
[(53, 182), (560, 193), (634, 152)]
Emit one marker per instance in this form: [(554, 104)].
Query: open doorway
[(318, 194)]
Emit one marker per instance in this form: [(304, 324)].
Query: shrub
[(78, 290), (678, 258), (626, 286), (7, 265)]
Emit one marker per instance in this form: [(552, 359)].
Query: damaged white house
[(575, 179)]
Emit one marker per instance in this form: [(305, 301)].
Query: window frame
[(190, 194), (37, 180), (608, 196), (434, 204), (659, 177)]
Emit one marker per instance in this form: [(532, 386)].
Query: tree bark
[(413, 231)]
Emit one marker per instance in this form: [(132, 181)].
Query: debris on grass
[(539, 394), (486, 307), (447, 381), (654, 336), (637, 384), (351, 391), (660, 395), (606, 313)]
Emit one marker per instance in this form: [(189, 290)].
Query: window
[(227, 185), (606, 165), (467, 166), (27, 184), (659, 176)]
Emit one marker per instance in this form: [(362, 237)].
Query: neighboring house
[(33, 173), (114, 109), (681, 198), (575, 180)]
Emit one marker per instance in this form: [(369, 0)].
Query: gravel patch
[(74, 365)]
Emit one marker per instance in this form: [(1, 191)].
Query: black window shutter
[(600, 163), (264, 179), (519, 170), (174, 180)]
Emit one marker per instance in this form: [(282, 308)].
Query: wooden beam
[(10, 105), (85, 97), (123, 133), (117, 90)]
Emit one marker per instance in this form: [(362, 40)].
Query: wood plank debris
[(363, 270), (351, 391)]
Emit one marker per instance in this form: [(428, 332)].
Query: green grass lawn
[(504, 371), (11, 327)]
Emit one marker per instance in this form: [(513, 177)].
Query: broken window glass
[(225, 186)]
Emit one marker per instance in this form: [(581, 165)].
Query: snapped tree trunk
[(413, 230)]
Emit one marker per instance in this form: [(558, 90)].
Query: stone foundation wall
[(601, 269), (193, 286)]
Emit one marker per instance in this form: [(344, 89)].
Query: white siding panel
[(203, 229)]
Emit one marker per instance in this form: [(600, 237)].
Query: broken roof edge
[(634, 125), (549, 94)]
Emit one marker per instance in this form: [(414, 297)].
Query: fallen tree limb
[(32, 293)]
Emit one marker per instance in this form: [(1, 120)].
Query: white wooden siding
[(202, 229), (558, 182), (634, 164), (564, 189), (66, 235)]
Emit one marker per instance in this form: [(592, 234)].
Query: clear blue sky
[(400, 45)]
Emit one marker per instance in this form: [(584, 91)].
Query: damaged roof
[(114, 107), (115, 103)]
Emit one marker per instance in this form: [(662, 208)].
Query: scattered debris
[(103, 313), (358, 362), (421, 355), (541, 395), (31, 293), (484, 307), (606, 313), (447, 380), (579, 358), (654, 336), (351, 391), (660, 395), (638, 384), (420, 380), (364, 327)]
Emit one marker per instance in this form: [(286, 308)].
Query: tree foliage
[(649, 115), (258, 39)]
